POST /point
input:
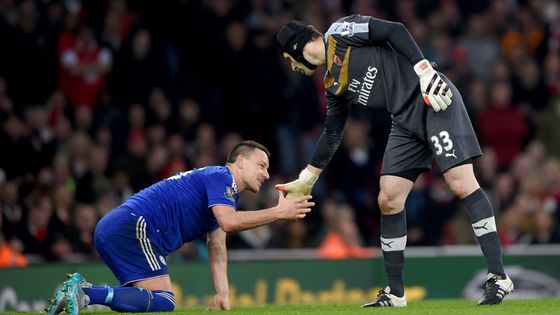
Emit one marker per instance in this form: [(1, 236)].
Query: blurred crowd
[(99, 99)]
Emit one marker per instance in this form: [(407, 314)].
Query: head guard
[(292, 37)]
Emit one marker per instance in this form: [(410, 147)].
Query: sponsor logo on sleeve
[(347, 29), (230, 193)]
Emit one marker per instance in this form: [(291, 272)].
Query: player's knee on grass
[(163, 301)]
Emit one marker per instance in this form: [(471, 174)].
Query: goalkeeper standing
[(376, 63)]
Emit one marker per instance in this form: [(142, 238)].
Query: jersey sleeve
[(337, 114), (358, 30), (219, 190)]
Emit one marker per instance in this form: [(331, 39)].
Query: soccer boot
[(385, 299), (76, 299), (57, 303), (495, 289)]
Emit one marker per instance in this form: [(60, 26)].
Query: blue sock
[(130, 299), (164, 301), (97, 294)]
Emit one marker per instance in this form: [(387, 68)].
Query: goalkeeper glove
[(299, 187), (435, 91)]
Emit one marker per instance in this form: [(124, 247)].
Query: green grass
[(431, 307)]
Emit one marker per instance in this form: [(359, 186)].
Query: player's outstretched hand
[(219, 303), (299, 187), (293, 209), (435, 91)]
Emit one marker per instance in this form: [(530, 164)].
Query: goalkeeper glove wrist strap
[(422, 67), (307, 177)]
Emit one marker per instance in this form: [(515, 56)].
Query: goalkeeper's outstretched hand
[(435, 91), (299, 187)]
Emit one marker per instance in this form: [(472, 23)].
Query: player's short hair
[(245, 148)]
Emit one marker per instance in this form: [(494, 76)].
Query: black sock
[(393, 242), (481, 214)]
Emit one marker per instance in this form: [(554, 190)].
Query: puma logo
[(481, 227), (451, 154), (388, 244)]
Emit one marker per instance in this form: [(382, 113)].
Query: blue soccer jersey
[(180, 207), (134, 238)]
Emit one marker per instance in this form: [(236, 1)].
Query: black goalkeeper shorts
[(419, 134)]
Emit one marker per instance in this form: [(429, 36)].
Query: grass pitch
[(430, 307)]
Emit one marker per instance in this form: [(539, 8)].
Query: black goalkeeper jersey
[(364, 71), (369, 63)]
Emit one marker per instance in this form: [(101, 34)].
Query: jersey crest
[(337, 61)]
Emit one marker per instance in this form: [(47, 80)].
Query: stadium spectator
[(14, 214), (481, 45), (529, 89), (62, 171), (440, 207), (552, 73), (548, 129), (94, 181), (327, 215), (187, 120), (349, 169), (523, 38), (501, 71), (35, 234), (28, 58), (139, 68), (238, 48), (343, 241), (528, 162), (122, 189), (8, 256), (80, 235), (106, 201), (504, 192), (476, 98), (157, 161), (502, 126), (63, 203), (84, 66), (17, 158), (118, 22), (511, 221), (294, 235), (415, 208), (159, 107)]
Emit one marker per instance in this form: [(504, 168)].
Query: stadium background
[(99, 99)]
